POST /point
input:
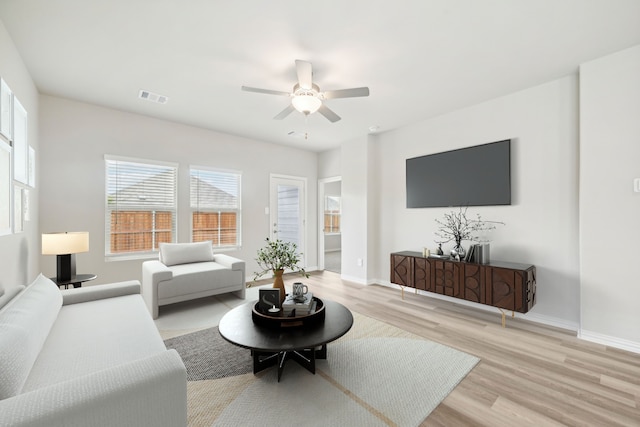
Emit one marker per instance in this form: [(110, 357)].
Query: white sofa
[(187, 271), (86, 357)]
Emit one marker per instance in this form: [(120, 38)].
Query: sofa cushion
[(93, 336), (185, 253), (25, 323), (8, 295)]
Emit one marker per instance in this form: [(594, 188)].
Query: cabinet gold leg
[(504, 318)]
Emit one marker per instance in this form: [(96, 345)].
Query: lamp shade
[(65, 243)]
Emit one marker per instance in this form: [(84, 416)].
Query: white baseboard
[(551, 321), (609, 341), (357, 280)]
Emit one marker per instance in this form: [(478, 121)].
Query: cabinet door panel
[(446, 278), (422, 274), (473, 283), (530, 299), (401, 270), (505, 290)]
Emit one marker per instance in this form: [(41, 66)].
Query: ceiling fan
[(306, 96)]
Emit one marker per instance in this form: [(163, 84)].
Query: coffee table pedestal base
[(305, 358)]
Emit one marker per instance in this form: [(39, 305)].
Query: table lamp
[(65, 245)]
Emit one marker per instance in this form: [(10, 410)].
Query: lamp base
[(66, 268)]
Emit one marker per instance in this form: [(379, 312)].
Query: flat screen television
[(472, 176)]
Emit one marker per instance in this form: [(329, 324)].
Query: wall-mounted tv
[(472, 176)]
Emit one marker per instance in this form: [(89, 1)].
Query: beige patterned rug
[(375, 375)]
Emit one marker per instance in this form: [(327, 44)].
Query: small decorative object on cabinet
[(457, 227), (505, 285), (458, 252)]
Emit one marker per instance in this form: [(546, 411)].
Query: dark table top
[(78, 278), (238, 328)]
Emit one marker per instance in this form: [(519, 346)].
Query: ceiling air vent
[(153, 97), (296, 134)]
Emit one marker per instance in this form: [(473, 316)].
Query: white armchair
[(187, 271)]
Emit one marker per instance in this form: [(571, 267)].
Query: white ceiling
[(420, 58)]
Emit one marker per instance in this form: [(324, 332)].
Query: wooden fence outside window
[(219, 227), (139, 231)]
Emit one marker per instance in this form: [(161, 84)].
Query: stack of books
[(302, 308)]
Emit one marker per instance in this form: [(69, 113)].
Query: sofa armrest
[(151, 391), (153, 272), (229, 261), (96, 292)]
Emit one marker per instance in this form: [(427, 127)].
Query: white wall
[(542, 222), (329, 163), (609, 209), (19, 253), (75, 138), (374, 164), (333, 188), (354, 172), (332, 242)]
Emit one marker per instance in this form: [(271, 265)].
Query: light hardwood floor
[(529, 374)]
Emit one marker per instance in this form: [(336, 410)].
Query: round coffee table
[(275, 346)]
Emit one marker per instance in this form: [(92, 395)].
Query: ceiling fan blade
[(267, 91), (304, 70), (284, 113), (330, 115), (346, 93)]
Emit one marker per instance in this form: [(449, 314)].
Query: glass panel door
[(287, 211)]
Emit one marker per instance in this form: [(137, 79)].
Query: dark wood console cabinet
[(505, 285)]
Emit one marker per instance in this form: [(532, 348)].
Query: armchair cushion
[(185, 253)]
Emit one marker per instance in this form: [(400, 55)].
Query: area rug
[(207, 356), (376, 375)]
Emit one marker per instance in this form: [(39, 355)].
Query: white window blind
[(215, 206), (289, 213), (141, 205)]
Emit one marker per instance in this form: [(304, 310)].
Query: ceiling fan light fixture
[(306, 103), (306, 97)]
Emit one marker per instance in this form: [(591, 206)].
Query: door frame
[(303, 214), (321, 193)]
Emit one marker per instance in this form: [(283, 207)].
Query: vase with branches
[(276, 257), (457, 227)]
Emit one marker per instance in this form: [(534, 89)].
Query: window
[(140, 205), (215, 207), (332, 211)]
